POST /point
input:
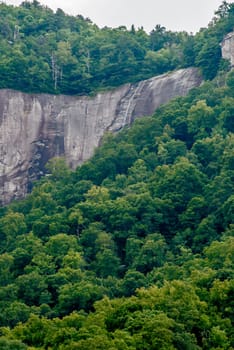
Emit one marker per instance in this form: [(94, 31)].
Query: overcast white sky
[(176, 15)]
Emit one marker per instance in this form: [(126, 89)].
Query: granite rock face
[(228, 48), (37, 127)]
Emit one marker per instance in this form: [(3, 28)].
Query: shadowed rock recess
[(37, 127)]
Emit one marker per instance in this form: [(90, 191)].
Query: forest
[(43, 51), (133, 250)]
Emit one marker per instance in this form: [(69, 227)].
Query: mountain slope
[(134, 248), (152, 209)]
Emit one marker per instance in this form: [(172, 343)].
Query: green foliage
[(133, 249), (209, 57), (43, 51), (156, 231), (6, 344)]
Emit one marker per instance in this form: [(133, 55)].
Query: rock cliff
[(36, 127), (228, 48)]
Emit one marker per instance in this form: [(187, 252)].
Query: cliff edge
[(36, 127)]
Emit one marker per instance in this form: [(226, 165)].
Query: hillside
[(43, 51), (37, 127), (133, 249), (153, 209)]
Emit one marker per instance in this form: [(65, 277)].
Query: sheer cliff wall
[(228, 48), (37, 127)]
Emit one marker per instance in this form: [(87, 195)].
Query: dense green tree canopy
[(134, 249), (43, 51)]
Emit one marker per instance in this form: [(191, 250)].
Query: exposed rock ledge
[(36, 127), (227, 46)]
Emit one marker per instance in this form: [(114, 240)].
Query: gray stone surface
[(36, 127), (228, 48)]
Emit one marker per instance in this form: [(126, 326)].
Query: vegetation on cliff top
[(43, 51)]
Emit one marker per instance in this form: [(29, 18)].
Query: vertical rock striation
[(36, 127), (227, 46)]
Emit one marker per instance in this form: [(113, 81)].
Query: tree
[(11, 225), (107, 263), (59, 245), (170, 150), (74, 260), (14, 313), (8, 344), (6, 265), (179, 182), (227, 114), (223, 10), (209, 57), (158, 37), (33, 289), (152, 253), (132, 281), (77, 296), (201, 119), (230, 80), (196, 210), (205, 232), (188, 51), (88, 240)]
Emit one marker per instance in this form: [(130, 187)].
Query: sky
[(175, 15)]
